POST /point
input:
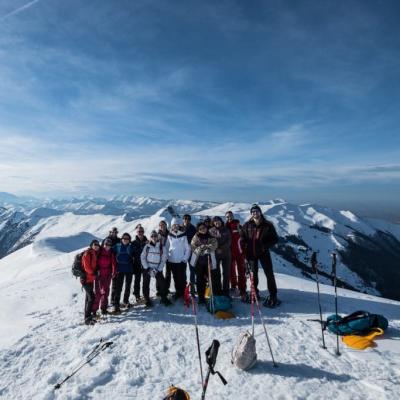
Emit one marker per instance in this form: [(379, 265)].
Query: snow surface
[(42, 338)]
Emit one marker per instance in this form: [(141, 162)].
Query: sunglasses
[(96, 244), (107, 244), (125, 238)]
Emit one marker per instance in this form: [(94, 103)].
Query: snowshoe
[(90, 321), (271, 302), (148, 303), (166, 302)]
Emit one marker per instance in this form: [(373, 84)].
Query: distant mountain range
[(368, 249)]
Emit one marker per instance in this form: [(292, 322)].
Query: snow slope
[(42, 337)]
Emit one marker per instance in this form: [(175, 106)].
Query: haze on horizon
[(238, 101)]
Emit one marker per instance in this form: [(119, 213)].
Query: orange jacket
[(89, 263)]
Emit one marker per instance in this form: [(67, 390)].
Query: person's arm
[(143, 258), (212, 244), (271, 237), (187, 251)]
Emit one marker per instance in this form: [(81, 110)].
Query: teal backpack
[(359, 322), (221, 303)]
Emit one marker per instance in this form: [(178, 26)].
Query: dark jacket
[(138, 246), (124, 256), (114, 240), (223, 236), (190, 231), (258, 239)]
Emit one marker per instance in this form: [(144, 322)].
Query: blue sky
[(230, 100)]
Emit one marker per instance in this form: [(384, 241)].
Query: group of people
[(215, 252)]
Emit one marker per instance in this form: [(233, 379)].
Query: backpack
[(359, 322), (244, 355), (221, 303), (77, 267)]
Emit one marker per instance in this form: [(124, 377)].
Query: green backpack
[(359, 322)]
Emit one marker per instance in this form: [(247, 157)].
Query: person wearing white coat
[(153, 258), (178, 253)]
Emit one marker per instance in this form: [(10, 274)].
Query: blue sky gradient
[(230, 100)]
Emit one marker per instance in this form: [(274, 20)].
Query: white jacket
[(153, 256), (178, 248)]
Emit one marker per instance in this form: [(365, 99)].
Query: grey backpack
[(244, 355)]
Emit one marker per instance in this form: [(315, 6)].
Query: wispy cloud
[(19, 9)]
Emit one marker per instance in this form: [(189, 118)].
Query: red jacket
[(106, 262), (89, 263), (234, 227)]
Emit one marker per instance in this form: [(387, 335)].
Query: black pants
[(226, 272), (179, 273), (136, 284), (89, 299), (202, 278), (116, 287), (266, 263), (160, 283), (167, 278)]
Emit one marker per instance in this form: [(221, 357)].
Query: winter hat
[(217, 218), (255, 207), (94, 241), (175, 221), (114, 229)]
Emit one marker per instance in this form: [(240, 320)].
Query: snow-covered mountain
[(368, 250), (42, 338)]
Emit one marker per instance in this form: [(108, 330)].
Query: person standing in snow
[(162, 237), (203, 247), (89, 264), (223, 251), (124, 272), (113, 236), (190, 231), (178, 252), (258, 236), (153, 258), (107, 267), (138, 246), (238, 272)]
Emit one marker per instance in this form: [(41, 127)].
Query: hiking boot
[(90, 321), (271, 302), (127, 305), (148, 303), (166, 302), (139, 300), (115, 310), (104, 311)]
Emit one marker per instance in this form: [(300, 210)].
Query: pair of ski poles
[(254, 299), (314, 264), (100, 347)]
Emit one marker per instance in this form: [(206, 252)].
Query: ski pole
[(254, 295), (334, 275), (194, 311), (314, 265), (94, 353), (211, 286)]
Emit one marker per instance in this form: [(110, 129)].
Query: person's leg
[(241, 273), (168, 274), (254, 268), (89, 300), (266, 264), (136, 285), (201, 270), (226, 274), (146, 284), (105, 290), (216, 282), (118, 282), (128, 284), (97, 294), (234, 277)]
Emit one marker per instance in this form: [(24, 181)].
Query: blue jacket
[(124, 256)]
